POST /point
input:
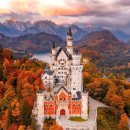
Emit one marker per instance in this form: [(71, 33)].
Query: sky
[(111, 14)]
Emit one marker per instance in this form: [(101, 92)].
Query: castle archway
[(62, 112)]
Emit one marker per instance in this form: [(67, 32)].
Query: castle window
[(45, 77), (50, 105), (74, 89)]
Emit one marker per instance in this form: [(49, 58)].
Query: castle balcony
[(62, 102)]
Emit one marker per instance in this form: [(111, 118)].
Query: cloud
[(123, 3), (4, 11), (106, 13)]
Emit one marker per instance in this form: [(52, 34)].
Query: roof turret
[(69, 33)]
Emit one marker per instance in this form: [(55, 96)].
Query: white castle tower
[(76, 74), (53, 52), (69, 42)]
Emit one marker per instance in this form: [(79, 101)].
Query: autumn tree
[(126, 96), (56, 127), (1, 63), (123, 124), (25, 113), (9, 117), (15, 105)]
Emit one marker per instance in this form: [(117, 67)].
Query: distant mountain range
[(36, 43), (17, 28), (101, 46)]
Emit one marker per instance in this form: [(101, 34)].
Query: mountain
[(91, 28), (17, 25), (14, 28), (36, 43), (121, 35), (50, 27), (128, 42), (8, 31), (45, 26), (17, 28), (105, 49)]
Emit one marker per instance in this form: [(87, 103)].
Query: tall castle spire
[(53, 50), (69, 33), (69, 41)]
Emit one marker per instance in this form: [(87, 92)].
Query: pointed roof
[(62, 87), (69, 33), (54, 45), (66, 53), (79, 96)]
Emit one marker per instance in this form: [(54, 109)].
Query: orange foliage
[(1, 89), (3, 119), (13, 127), (28, 93), (123, 124), (56, 127), (15, 105), (21, 81), (117, 103)]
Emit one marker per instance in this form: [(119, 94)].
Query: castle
[(63, 81)]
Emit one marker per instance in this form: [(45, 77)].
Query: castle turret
[(76, 75), (69, 41), (53, 52)]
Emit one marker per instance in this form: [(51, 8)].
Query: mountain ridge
[(15, 28), (105, 49), (35, 43)]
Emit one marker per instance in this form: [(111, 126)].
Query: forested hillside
[(107, 52), (19, 82), (112, 91), (35, 43), (21, 79)]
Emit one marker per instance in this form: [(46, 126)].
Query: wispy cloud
[(108, 13)]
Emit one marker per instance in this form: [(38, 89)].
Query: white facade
[(67, 66), (64, 75), (84, 113)]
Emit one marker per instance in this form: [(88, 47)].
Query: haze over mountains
[(15, 28)]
